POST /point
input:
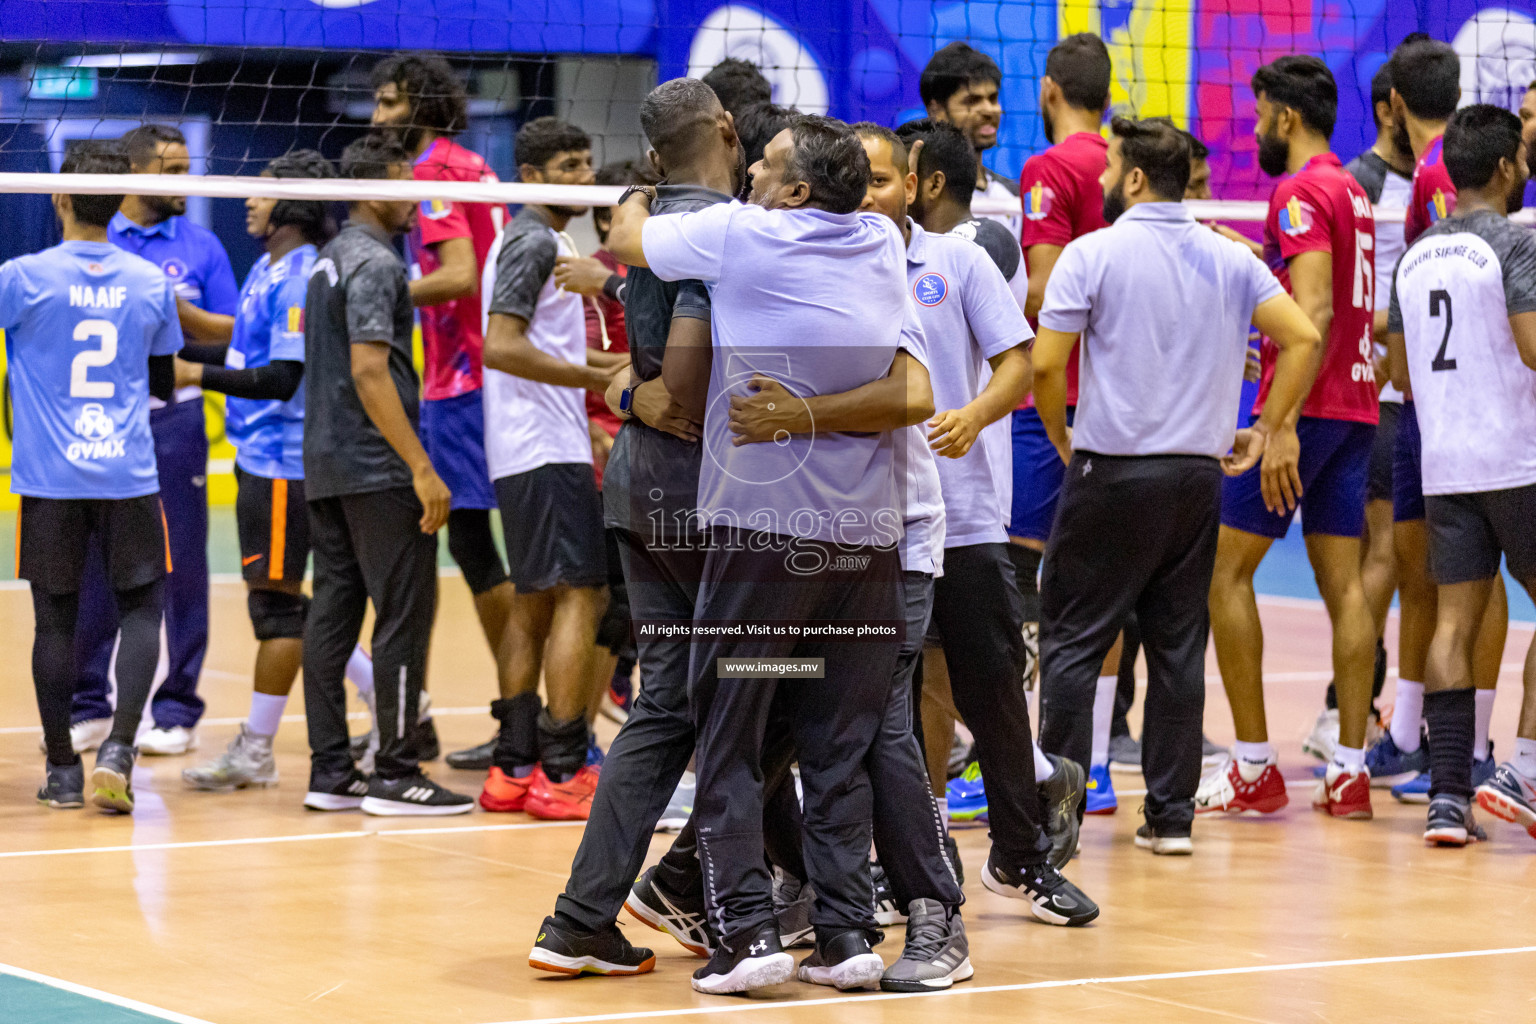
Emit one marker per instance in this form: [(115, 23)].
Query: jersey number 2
[(80, 384), (1437, 298)]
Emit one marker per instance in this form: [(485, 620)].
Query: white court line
[(969, 990), (105, 997), (312, 837)]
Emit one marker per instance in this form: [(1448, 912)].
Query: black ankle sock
[(517, 741), (562, 746), (1452, 719)]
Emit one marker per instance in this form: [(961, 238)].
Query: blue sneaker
[(1389, 764), (594, 752), (967, 795), (1416, 789), (1101, 792)]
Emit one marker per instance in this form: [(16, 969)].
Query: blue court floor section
[(23, 1001), (1286, 572)]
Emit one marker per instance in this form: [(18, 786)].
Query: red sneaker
[(1227, 790), (1344, 794), (570, 800), (505, 792)]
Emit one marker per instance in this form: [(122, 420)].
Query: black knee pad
[(474, 549), (277, 615)]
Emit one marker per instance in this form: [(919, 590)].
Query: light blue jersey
[(268, 435), (81, 321)]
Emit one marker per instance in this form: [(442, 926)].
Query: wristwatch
[(627, 399), (649, 191)]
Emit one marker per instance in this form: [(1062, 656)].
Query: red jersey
[(1062, 200), (450, 332), (1434, 197), (1321, 208), (605, 320)]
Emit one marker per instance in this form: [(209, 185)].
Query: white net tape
[(341, 190)]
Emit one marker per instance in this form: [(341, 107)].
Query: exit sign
[(51, 83)]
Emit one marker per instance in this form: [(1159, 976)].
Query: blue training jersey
[(81, 321), (268, 435)]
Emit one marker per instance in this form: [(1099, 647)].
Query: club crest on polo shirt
[(436, 209), (930, 289), (1296, 217), (1037, 201), (174, 269), (1437, 207)]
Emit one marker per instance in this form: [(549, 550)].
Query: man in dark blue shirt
[(156, 228)]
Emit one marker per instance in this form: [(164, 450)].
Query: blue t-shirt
[(81, 321), (189, 254), (268, 435)]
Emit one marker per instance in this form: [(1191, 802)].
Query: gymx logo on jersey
[(930, 289), (1037, 201), (94, 426), (1296, 217)]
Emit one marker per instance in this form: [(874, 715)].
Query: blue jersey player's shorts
[(1335, 462), (1407, 471), (54, 534), (453, 433), (1037, 475)]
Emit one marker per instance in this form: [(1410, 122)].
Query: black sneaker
[(1163, 842), (887, 912), (340, 794), (475, 759), (564, 951), (1451, 822), (413, 795), (111, 785), (759, 963), (1051, 897), (793, 901), (843, 962), (681, 917), (936, 954), (952, 850), (65, 787), (1060, 797)]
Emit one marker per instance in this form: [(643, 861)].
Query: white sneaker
[(1324, 737), (178, 739), (83, 736), (680, 807)]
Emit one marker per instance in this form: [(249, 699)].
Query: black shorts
[(1468, 532), (272, 519), (552, 519), (1378, 479), (53, 535)]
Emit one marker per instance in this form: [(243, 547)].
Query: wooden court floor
[(245, 909)]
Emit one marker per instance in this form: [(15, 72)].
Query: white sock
[(1525, 758), (1407, 715), (1351, 759), (1103, 712), (360, 670), (266, 713), (1481, 750), (1253, 753), (1043, 767)]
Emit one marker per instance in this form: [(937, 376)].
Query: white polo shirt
[(1163, 305), (817, 301), (924, 526), (969, 316)]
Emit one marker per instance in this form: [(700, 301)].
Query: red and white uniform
[(451, 332), (1062, 200), (1321, 208)]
